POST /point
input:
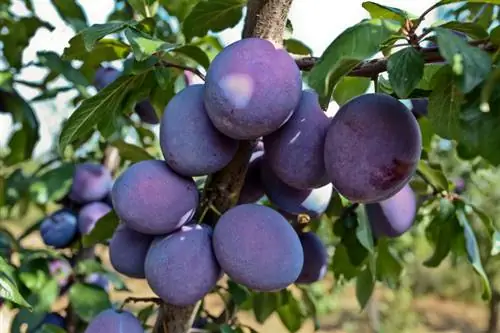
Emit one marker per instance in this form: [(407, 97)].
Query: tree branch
[(267, 19)]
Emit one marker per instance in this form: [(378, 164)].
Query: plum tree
[(127, 251), (60, 228), (113, 321), (419, 107), (91, 182), (146, 112), (394, 216), (193, 155), (52, 318), (181, 267), (291, 200), (295, 151), (372, 148), (315, 258), (152, 199), (258, 248), (104, 76), (252, 189), (90, 214), (251, 89)]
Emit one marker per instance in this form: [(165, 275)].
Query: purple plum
[(105, 76), (99, 280), (151, 198), (253, 189), (372, 148), (315, 259), (191, 145), (251, 89), (91, 182), (59, 229), (419, 107), (61, 270), (90, 214), (181, 267), (114, 321), (146, 112)]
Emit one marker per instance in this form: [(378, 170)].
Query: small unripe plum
[(59, 229), (252, 189), (127, 251), (113, 321), (181, 268), (394, 216), (251, 89), (52, 318), (419, 107), (151, 198), (295, 152), (91, 182), (258, 248), (291, 200), (90, 214), (146, 112), (61, 270), (460, 185), (99, 280), (105, 76), (372, 148), (190, 143), (315, 258)]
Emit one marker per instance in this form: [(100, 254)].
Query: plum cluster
[(253, 91)]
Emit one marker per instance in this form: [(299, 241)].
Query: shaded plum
[(61, 270), (295, 151), (59, 229), (127, 251), (419, 107), (105, 76), (152, 199), (315, 258), (52, 318), (372, 148), (291, 200), (460, 185), (190, 143), (113, 321), (91, 182), (394, 216), (258, 248), (146, 112), (90, 214), (251, 89), (181, 268), (252, 189)]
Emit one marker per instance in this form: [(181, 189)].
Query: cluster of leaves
[(459, 76)]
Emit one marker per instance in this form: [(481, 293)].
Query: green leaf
[(296, 46), (365, 283), (53, 184), (96, 32), (43, 299), (378, 11), (341, 265), (442, 233), (88, 300), (471, 64), (103, 50), (56, 64), (406, 69), (103, 230), (179, 8), (49, 328), (495, 243), (364, 231), (131, 152), (147, 8), (264, 304), (290, 313), (389, 267), (238, 293), (71, 12), (212, 15), (225, 328), (349, 87), (195, 53), (495, 36), (444, 106), (99, 109), (143, 45), (8, 287), (354, 45), (434, 175), (471, 29), (473, 252)]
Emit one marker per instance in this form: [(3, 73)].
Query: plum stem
[(127, 300), (195, 71)]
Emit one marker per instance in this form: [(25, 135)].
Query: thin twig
[(195, 71), (127, 300), (435, 190)]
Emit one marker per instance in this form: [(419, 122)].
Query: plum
[(52, 318), (59, 229), (128, 250), (105, 76), (315, 258), (146, 112), (252, 189), (90, 214), (200, 322), (419, 107), (181, 267), (91, 182), (258, 248), (113, 321), (394, 216), (61, 270), (151, 198), (295, 151), (460, 185), (251, 89), (372, 148), (191, 145), (291, 200), (99, 280)]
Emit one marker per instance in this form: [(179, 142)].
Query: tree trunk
[(265, 19), (494, 305)]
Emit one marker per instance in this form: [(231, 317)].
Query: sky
[(316, 22)]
